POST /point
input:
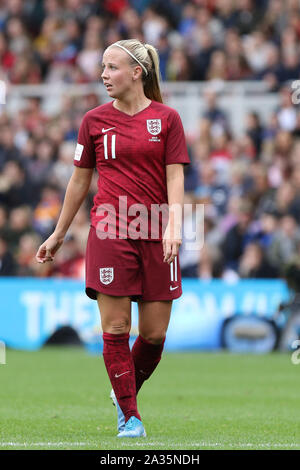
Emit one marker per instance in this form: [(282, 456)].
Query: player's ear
[(137, 73)]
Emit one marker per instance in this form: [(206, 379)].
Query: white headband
[(133, 56)]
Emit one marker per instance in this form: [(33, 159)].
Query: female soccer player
[(138, 146)]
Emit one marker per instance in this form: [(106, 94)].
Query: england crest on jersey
[(154, 126), (106, 275)]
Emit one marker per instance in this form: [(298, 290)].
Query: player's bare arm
[(76, 192), (175, 187)]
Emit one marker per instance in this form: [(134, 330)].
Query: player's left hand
[(170, 249)]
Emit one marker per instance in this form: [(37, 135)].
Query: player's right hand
[(48, 249)]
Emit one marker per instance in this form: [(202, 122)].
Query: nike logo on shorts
[(173, 288), (117, 376), (106, 130)]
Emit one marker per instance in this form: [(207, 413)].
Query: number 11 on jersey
[(113, 146)]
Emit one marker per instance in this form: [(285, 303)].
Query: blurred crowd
[(249, 184), (250, 188), (62, 40)]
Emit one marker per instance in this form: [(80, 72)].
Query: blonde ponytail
[(147, 56), (152, 80)]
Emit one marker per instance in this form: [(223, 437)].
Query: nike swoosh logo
[(117, 376), (106, 130), (173, 288)]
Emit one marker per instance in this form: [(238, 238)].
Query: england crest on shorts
[(106, 275), (154, 126)]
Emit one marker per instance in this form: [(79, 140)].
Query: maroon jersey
[(130, 154)]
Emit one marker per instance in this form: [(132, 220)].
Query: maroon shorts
[(133, 268)]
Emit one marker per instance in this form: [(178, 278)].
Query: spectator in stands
[(17, 36), (19, 224), (254, 130), (202, 58), (153, 26), (80, 227), (230, 217), (226, 13), (248, 16), (70, 263), (213, 113), (15, 188), (238, 236), (294, 204), (238, 67), (218, 68), (129, 23), (278, 155), (238, 180), (210, 265), (39, 167), (256, 49), (284, 198), (178, 66), (34, 115), (221, 157), (187, 20), (8, 149), (200, 233), (27, 247), (7, 262), (253, 264), (285, 241), (7, 57), (265, 228), (88, 57), (62, 168), (3, 221), (47, 211), (286, 113), (209, 190), (271, 72), (260, 193)]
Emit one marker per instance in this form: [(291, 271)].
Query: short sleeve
[(176, 150), (85, 153)]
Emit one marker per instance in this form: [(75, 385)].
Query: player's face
[(117, 73)]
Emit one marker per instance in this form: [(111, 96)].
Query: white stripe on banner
[(175, 268), (113, 146), (105, 147)]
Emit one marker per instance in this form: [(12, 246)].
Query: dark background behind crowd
[(250, 184)]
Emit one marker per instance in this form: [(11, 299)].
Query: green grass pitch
[(58, 398)]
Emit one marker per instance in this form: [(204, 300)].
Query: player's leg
[(161, 284), (112, 275), (115, 315), (154, 317)]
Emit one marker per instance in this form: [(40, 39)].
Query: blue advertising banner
[(198, 316), (31, 310)]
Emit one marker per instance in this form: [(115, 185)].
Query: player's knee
[(118, 327), (154, 337)]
